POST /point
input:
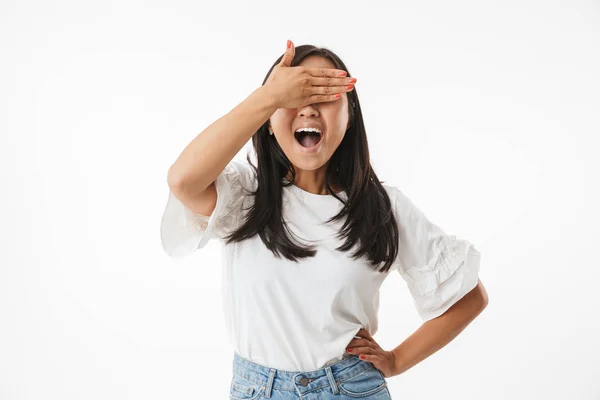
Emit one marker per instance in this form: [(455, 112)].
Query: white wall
[(486, 115)]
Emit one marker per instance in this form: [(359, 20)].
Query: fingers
[(330, 90), (325, 88), (365, 334), (321, 98), (360, 350), (363, 345), (321, 94), (326, 72), (288, 56), (359, 343), (329, 81)]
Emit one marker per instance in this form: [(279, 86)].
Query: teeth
[(308, 130)]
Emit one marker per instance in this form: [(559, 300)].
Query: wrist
[(267, 98), (398, 363)]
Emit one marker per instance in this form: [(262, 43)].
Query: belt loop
[(332, 381), (269, 388)]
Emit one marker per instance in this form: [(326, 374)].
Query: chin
[(306, 161), (307, 165)]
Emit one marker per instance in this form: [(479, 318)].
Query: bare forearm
[(438, 332), (205, 157)]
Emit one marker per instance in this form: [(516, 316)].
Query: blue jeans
[(349, 378)]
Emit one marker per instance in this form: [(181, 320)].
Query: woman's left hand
[(369, 350)]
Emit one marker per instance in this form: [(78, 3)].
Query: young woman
[(309, 235)]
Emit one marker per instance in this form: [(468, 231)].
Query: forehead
[(317, 62)]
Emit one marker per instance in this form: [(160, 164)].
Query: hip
[(348, 378)]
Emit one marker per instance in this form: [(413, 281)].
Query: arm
[(438, 332), (193, 174)]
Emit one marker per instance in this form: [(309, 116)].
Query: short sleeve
[(438, 268), (183, 231)]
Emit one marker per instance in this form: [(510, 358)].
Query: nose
[(308, 109)]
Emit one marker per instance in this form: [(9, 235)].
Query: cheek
[(337, 124), (336, 139), (281, 116)]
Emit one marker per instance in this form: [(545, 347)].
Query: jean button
[(304, 381)]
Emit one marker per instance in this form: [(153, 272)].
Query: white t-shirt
[(300, 316)]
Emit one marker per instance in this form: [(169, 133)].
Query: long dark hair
[(369, 222)]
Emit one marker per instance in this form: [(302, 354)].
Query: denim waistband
[(272, 378)]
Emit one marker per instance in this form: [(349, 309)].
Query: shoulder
[(390, 189), (402, 205), (393, 193)]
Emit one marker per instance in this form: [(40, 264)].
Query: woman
[(309, 235)]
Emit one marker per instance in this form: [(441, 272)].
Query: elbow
[(177, 179), (481, 296), (173, 179), (183, 181)]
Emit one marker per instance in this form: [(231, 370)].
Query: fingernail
[(289, 44), (349, 350)]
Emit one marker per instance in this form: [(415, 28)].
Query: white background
[(486, 114)]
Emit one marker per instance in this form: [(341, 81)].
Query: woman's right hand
[(294, 87)]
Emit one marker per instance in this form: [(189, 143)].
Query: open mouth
[(308, 138)]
